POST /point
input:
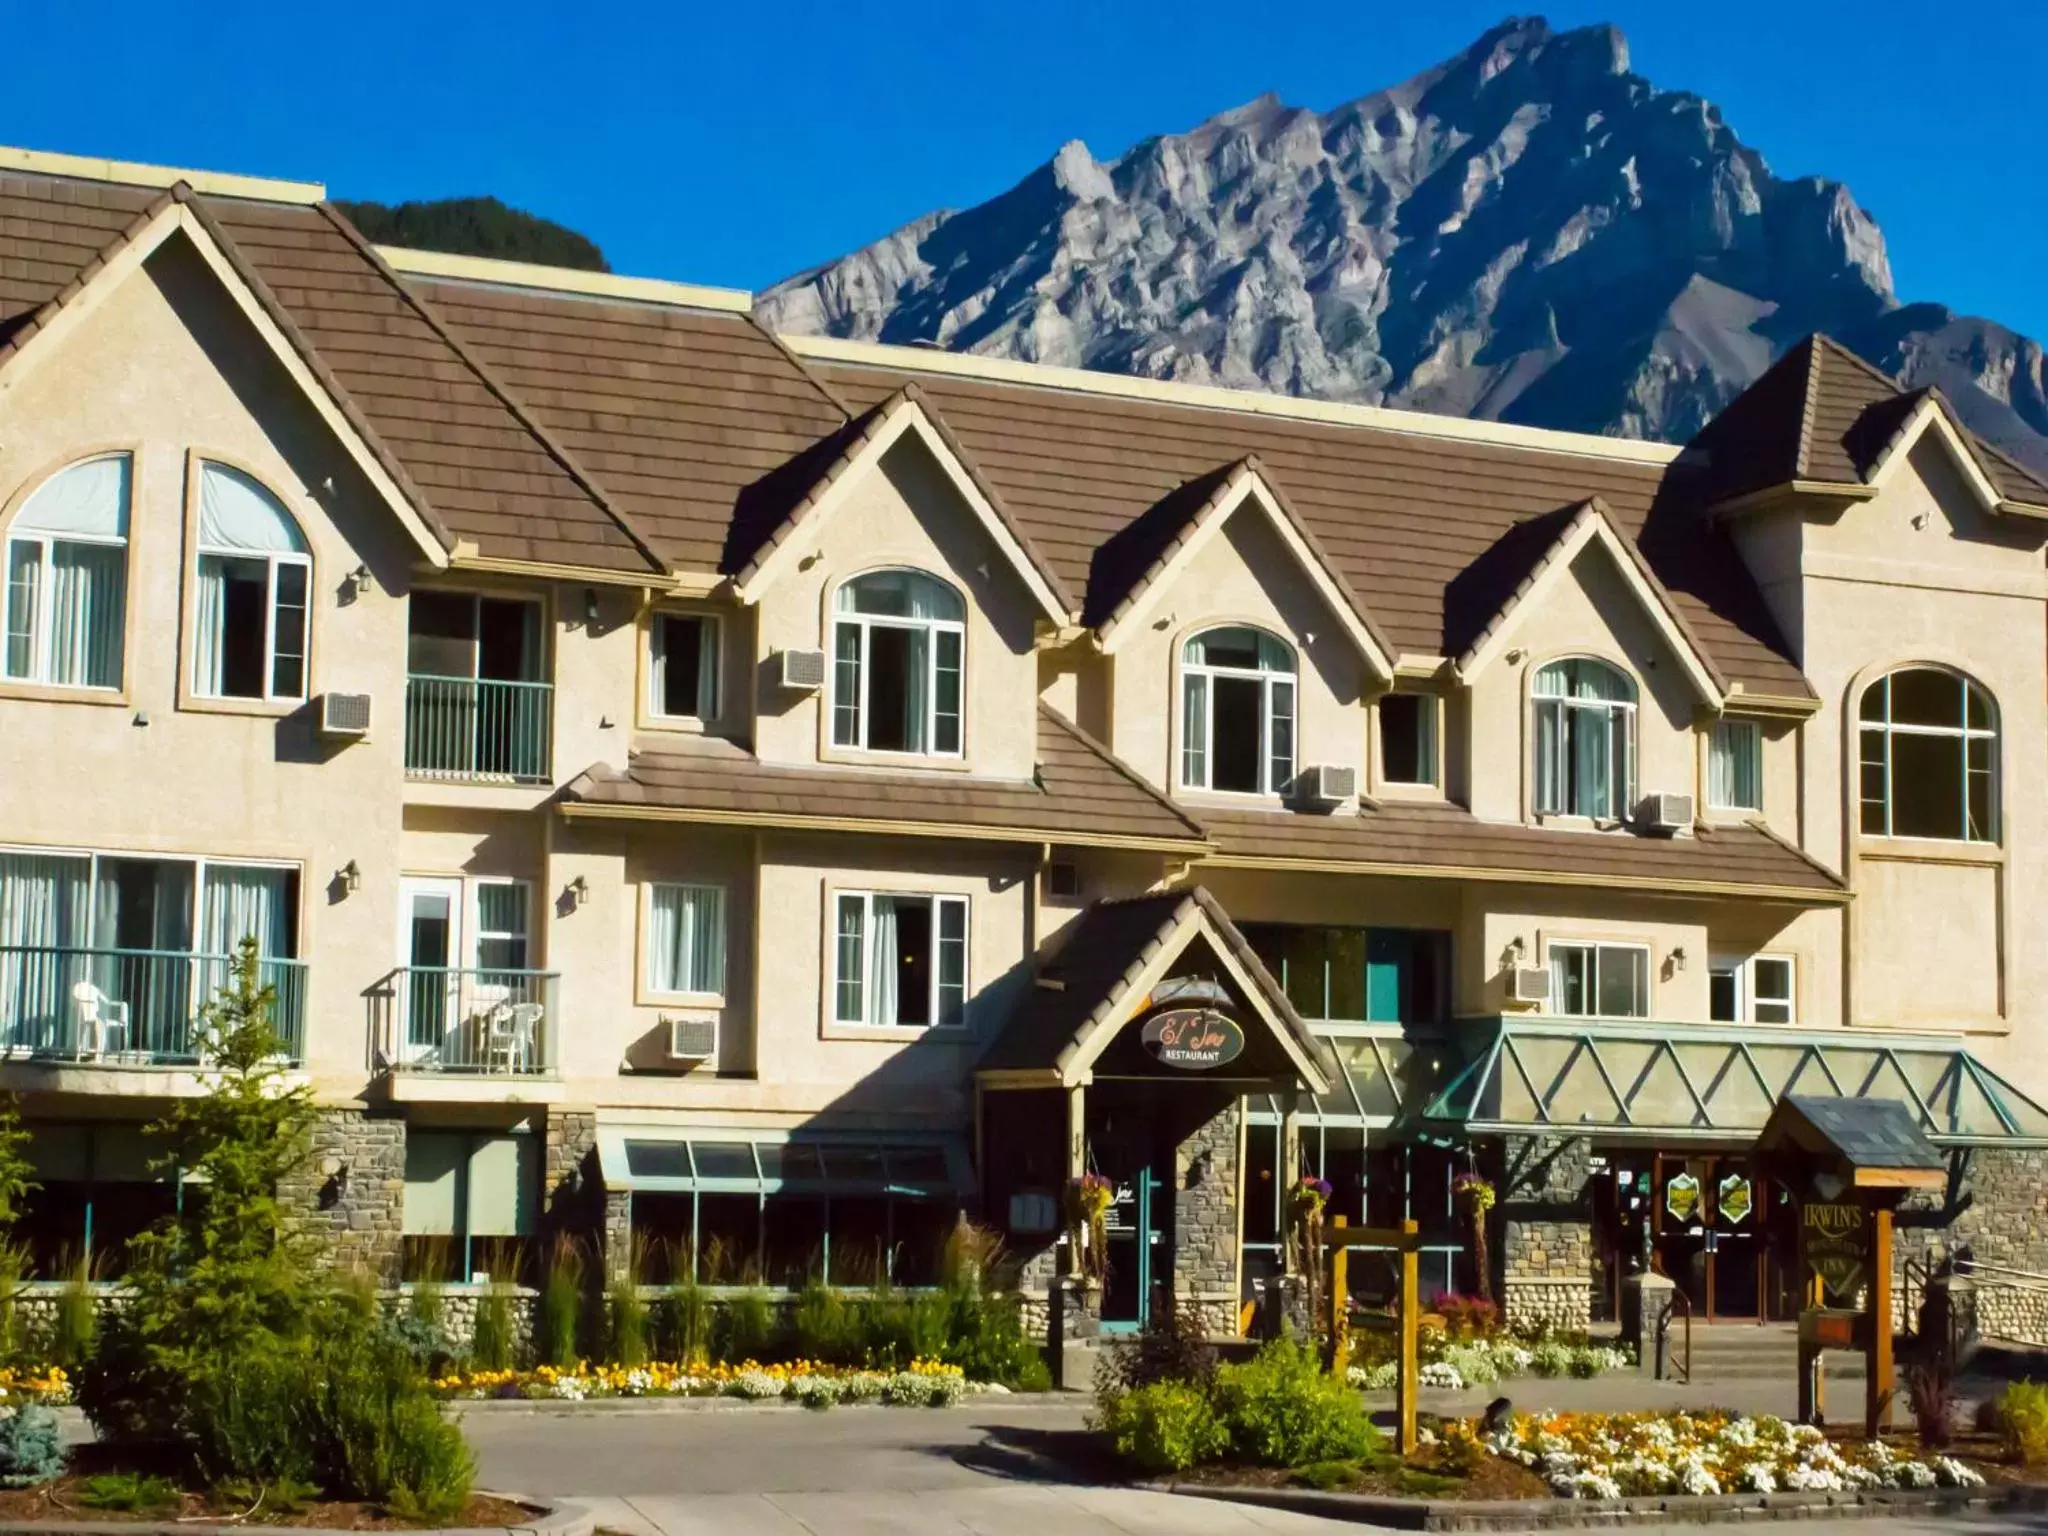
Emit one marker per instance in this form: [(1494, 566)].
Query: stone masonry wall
[(1996, 1212), (1205, 1176), (574, 1199), (352, 1189), (1542, 1232)]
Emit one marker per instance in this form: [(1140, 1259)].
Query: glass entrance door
[(1709, 1221), (1133, 1247), (429, 947)]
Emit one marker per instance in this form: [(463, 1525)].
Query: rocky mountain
[(1528, 232)]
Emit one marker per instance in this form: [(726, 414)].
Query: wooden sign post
[(1406, 1241)]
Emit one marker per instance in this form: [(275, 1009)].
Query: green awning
[(678, 1160), (1717, 1082)]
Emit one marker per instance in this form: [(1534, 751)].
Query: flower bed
[(927, 1383), (1622, 1455), (1481, 1362), (37, 1384)]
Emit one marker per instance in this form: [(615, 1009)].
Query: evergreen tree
[(475, 226)]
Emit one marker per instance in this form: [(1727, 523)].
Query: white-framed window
[(899, 960), (1408, 738), (683, 667), (686, 939), (503, 924), (67, 578), (1237, 711), (1599, 981), (1758, 990), (255, 584), (1585, 739), (898, 642), (1929, 757), (1735, 766)]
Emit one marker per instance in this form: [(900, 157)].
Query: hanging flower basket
[(1477, 1193), (1088, 1201)]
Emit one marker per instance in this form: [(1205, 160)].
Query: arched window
[(1930, 757), (897, 641), (1585, 739), (255, 574), (1237, 711), (67, 577)]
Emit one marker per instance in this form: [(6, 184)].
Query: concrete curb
[(559, 1517), (1582, 1514), (516, 1406)]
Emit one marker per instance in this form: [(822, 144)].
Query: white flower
[(1954, 1474), (756, 1384), (1813, 1480), (1425, 1436), (1441, 1373), (1915, 1474), (1594, 1485), (1694, 1478), (1756, 1477)]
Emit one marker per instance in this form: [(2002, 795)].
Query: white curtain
[(1592, 747), (917, 689), (1732, 765), (900, 595), (236, 513), (211, 621), (1194, 730), (43, 905), (686, 938), (242, 903), (882, 999), (24, 597), (707, 669), (1280, 734), (1567, 965), (89, 499), (86, 600)]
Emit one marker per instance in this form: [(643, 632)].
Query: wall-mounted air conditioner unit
[(1529, 985), (345, 714), (1329, 784), (804, 670), (692, 1039), (1665, 813)]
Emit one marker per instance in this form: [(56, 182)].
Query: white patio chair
[(512, 1033), (100, 1019)]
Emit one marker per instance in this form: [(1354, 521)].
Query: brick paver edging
[(559, 1517), (1579, 1514)]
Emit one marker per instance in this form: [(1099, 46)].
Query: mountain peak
[(1526, 231)]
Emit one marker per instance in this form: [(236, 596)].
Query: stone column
[(1545, 1232), (351, 1190), (1205, 1181), (1645, 1299), (574, 1198)]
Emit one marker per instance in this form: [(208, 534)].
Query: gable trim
[(1592, 524), (1075, 1062), (1248, 481), (1933, 414), (176, 213), (903, 414)]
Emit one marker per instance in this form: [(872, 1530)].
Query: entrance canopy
[(1174, 959), (1677, 1082), (678, 1160)]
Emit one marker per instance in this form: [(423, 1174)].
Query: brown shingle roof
[(1399, 516), (1100, 957), (1081, 795), (1400, 837)]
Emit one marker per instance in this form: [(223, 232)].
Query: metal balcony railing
[(478, 729), (138, 1006), (490, 1023)]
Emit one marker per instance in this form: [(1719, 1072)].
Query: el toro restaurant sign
[(1188, 1028)]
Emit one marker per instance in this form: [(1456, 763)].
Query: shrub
[(985, 1337), (1283, 1411), (561, 1305), (129, 1492), (821, 1329), (1170, 1349), (626, 1323), (1550, 1358), (374, 1431), (30, 1450), (2022, 1419), (1167, 1426), (1469, 1317), (1586, 1362), (491, 1340), (746, 1329), (1460, 1451)]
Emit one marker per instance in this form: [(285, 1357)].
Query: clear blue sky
[(735, 144)]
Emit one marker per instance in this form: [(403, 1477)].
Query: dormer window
[(1585, 739), (255, 576), (897, 642), (67, 576), (1237, 712)]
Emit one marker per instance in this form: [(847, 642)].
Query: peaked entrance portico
[(1142, 1034)]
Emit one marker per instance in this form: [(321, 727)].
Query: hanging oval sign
[(1193, 1039)]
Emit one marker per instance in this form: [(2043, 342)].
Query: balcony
[(478, 730), (498, 1024), (135, 1007)]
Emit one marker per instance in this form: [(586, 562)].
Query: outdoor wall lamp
[(1678, 958), (362, 578), (579, 890), (351, 876), (590, 605)]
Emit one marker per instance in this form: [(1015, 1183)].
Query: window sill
[(862, 757), (57, 693), (1410, 792), (1554, 821), (680, 725), (1927, 850), (262, 709), (896, 1034), (701, 1002)]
